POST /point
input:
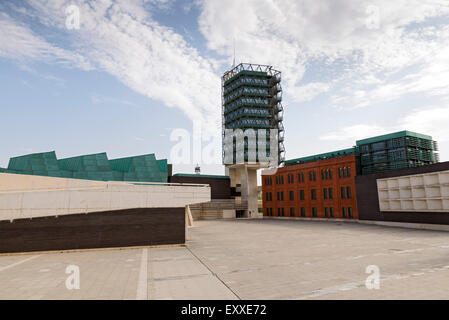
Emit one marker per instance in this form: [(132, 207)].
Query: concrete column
[(253, 207), (246, 176)]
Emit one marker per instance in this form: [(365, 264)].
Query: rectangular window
[(282, 179), (325, 193), (327, 174), (310, 176), (292, 212), (302, 195), (313, 194), (271, 196), (278, 196), (330, 174), (268, 211), (326, 212), (322, 174), (349, 172), (279, 212), (343, 193), (350, 212), (343, 210), (303, 212), (348, 192), (344, 172), (283, 212), (331, 212), (302, 176), (339, 172), (282, 195), (292, 197), (331, 196), (271, 211), (314, 175), (314, 212)]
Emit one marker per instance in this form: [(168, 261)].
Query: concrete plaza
[(246, 259)]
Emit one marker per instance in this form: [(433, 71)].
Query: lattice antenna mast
[(233, 63)]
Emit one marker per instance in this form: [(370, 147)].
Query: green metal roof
[(392, 136), (322, 156), (145, 168), (200, 176), (126, 164)]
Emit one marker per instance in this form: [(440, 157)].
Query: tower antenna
[(233, 64)]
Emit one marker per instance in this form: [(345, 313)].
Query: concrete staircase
[(214, 210)]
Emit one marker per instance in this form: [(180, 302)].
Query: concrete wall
[(123, 228), (427, 192), (372, 191), (24, 196), (220, 187)]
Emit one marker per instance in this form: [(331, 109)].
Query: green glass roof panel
[(392, 136), (322, 156)]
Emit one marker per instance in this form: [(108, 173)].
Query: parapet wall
[(43, 213), (414, 195), (23, 196)]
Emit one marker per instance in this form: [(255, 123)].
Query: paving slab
[(246, 259)]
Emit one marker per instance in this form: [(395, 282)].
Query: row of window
[(345, 193), (326, 174), (328, 212)]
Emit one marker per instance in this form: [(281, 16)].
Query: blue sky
[(135, 71)]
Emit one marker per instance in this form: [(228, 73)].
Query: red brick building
[(312, 189)]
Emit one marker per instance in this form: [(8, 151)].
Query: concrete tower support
[(244, 178)]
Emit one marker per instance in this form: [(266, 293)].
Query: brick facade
[(321, 189)]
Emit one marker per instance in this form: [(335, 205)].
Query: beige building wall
[(427, 192), (23, 196)]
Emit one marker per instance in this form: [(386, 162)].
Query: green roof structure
[(403, 149), (393, 136), (322, 156), (145, 168)]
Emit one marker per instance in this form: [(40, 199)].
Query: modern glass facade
[(404, 149)]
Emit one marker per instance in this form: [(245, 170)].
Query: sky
[(144, 76)]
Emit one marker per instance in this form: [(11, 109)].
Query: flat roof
[(310, 271), (193, 175), (322, 156), (392, 136)]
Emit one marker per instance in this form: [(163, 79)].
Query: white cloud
[(121, 38), (363, 66), (309, 91), (291, 34), (354, 132), (20, 43), (433, 121)]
